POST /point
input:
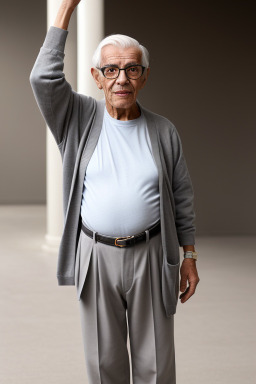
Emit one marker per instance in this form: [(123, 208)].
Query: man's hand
[(188, 273)]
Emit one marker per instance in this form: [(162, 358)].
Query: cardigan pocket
[(170, 286)]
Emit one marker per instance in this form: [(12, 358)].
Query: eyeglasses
[(133, 72)]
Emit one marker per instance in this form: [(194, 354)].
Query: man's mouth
[(122, 93)]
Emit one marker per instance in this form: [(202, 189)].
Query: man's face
[(120, 93)]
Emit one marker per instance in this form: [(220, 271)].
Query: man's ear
[(96, 75), (145, 77)]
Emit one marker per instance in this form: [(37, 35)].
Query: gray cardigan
[(75, 121)]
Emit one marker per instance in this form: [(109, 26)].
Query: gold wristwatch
[(190, 255)]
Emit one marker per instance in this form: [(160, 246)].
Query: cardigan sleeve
[(54, 95), (183, 194)]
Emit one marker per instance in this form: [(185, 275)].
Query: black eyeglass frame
[(122, 69)]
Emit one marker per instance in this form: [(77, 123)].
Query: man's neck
[(123, 113)]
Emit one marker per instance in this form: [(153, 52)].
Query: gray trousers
[(119, 290)]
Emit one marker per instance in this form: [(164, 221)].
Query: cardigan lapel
[(94, 134), (86, 147), (153, 134), (154, 141), (91, 143)]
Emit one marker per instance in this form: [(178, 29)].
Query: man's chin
[(124, 103)]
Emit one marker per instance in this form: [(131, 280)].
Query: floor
[(40, 332)]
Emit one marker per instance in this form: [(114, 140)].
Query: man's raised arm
[(54, 95)]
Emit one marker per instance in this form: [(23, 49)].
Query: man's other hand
[(188, 272)]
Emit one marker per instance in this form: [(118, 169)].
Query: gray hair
[(120, 41)]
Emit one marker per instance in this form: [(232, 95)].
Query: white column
[(90, 31)]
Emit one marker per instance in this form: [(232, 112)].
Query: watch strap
[(190, 255)]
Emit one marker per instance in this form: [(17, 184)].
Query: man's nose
[(122, 78)]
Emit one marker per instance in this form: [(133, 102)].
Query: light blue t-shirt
[(121, 193)]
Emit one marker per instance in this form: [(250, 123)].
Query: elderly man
[(128, 205)]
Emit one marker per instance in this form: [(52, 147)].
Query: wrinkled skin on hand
[(189, 275)]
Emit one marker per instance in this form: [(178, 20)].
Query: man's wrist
[(190, 255), (188, 248), (67, 8), (63, 17)]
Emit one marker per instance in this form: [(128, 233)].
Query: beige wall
[(205, 88)]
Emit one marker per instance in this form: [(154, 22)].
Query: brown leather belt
[(123, 241)]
